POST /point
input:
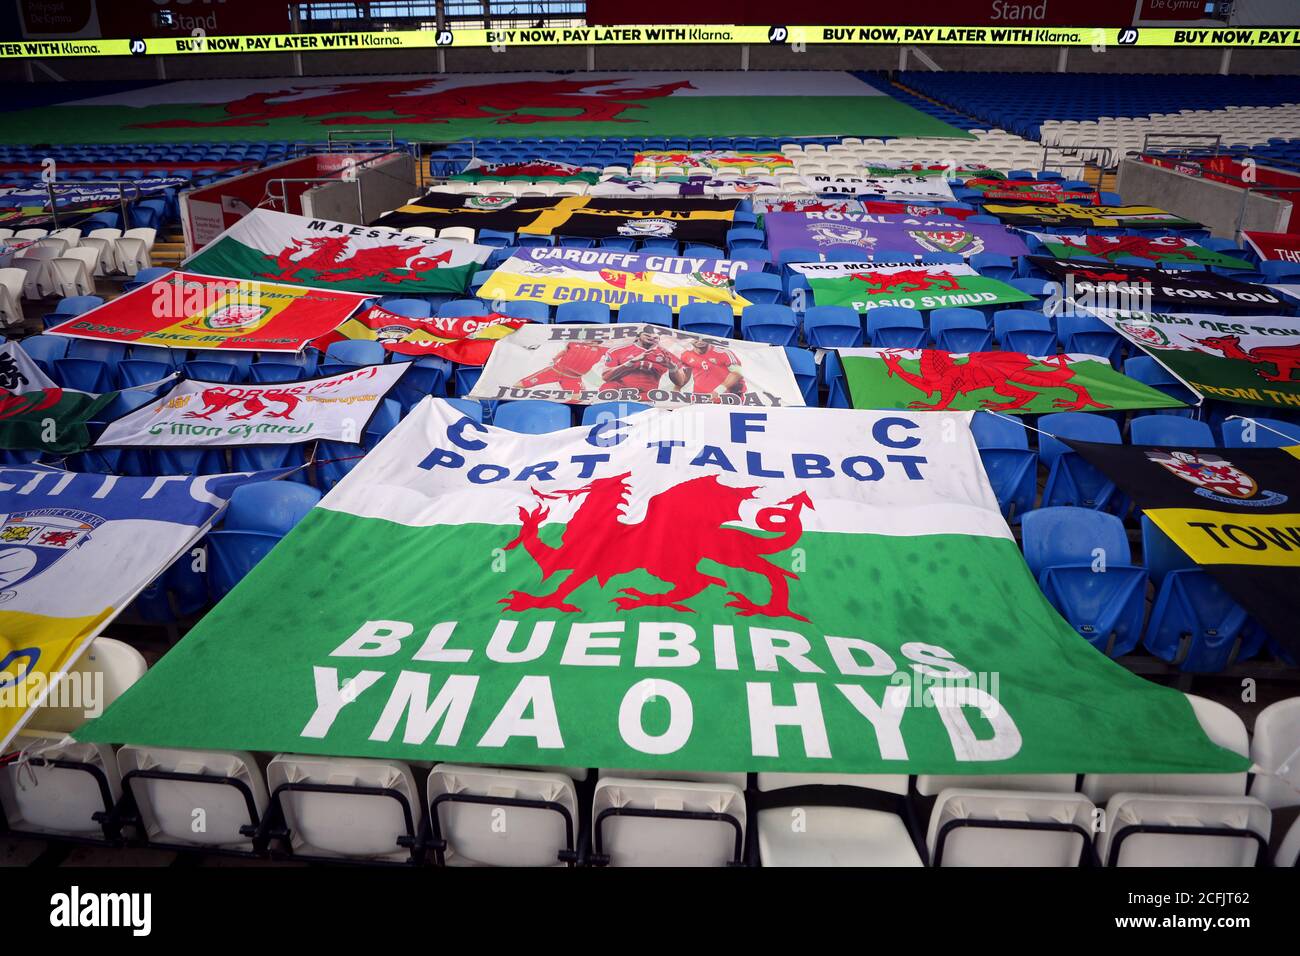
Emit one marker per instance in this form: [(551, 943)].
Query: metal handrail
[(119, 184)]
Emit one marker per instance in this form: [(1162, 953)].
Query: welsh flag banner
[(533, 170), (1028, 191), (49, 419), (467, 340), (183, 310), (868, 285), (707, 589), (1155, 249), (1009, 382), (1248, 359), (297, 250)]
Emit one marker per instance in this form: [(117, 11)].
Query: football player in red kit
[(711, 366), (568, 367), (642, 364)]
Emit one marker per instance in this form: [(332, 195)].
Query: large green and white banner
[(699, 589)]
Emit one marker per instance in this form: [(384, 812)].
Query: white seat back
[(1126, 810), (11, 296), (968, 845), (932, 785), (72, 277), (1275, 750), (661, 841), (58, 800), (189, 812), (457, 234), (345, 824), (501, 834)]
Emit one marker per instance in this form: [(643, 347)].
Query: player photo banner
[(183, 310), (559, 275), (821, 231), (627, 362), (1032, 216), (867, 285), (905, 186), (1254, 360), (702, 589), (1104, 282), (217, 414), (1008, 382), (590, 217), (1236, 511), (1155, 249), (297, 250), (75, 549), (465, 340)]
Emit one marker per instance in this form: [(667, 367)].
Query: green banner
[(868, 285), (50, 419), (703, 588), (1010, 382)]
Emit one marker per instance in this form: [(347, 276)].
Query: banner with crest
[(823, 231)]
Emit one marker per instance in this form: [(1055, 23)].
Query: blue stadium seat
[(426, 375), (271, 373), (84, 375), (1241, 433), (495, 238), (659, 244), (110, 353), (745, 238), (804, 366), (532, 417), (411, 308), (1148, 371), (158, 353), (762, 288), (45, 350), (994, 265), (1071, 480), (469, 406), (832, 326), (241, 362), (1089, 335), (961, 330), (134, 373), (595, 313), (232, 555), (352, 353), (895, 327), (205, 371), (770, 323), (267, 457), (1084, 567), (1195, 624), (707, 318), (1019, 330), (458, 308), (533, 311), (1011, 466), (609, 411), (1170, 431), (273, 506), (652, 313), (187, 461)]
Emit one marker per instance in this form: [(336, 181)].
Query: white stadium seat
[(1275, 750), (1156, 830), (1010, 828), (653, 822), (337, 807), (480, 816)]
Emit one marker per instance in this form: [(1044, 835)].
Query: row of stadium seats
[(388, 812)]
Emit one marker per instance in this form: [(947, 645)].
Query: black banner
[(686, 220), (1104, 282), (1038, 215), (1235, 511)]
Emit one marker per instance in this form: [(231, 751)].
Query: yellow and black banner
[(1235, 511), (683, 34)]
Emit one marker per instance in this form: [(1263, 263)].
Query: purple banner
[(869, 235)]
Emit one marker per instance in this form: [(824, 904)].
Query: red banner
[(1275, 246), (881, 207), (187, 311), (467, 340)]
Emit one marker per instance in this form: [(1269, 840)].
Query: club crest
[(1216, 478)]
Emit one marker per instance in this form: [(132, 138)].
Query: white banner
[(905, 187), (213, 414), (18, 373), (627, 362)]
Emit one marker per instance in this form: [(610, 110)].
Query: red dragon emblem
[(906, 280), (388, 102), (1284, 358), (1012, 375), (1105, 247), (326, 257), (683, 526), (218, 399)]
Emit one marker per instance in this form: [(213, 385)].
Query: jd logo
[(137, 47), (1128, 36), (778, 34), (444, 38)]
